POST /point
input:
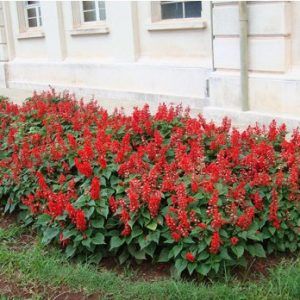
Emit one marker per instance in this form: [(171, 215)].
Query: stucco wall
[(274, 40), (127, 60), (135, 59), (25, 48), (193, 45)]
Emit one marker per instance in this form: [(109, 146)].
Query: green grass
[(34, 263)]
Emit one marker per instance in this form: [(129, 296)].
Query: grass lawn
[(29, 270)]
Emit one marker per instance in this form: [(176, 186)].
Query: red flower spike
[(95, 188), (190, 257)]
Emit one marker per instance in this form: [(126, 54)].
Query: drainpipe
[(212, 35), (244, 80)]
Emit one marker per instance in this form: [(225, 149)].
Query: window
[(93, 11), (33, 14), (178, 15), (180, 9)]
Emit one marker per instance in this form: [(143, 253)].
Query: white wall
[(274, 40), (192, 45), (138, 59), (127, 61), (33, 49)]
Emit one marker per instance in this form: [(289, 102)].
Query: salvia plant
[(164, 187)]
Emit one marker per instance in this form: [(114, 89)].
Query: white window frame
[(156, 23), (26, 32), (86, 28), (183, 8), (37, 8), (97, 8)]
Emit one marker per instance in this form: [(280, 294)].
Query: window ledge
[(103, 29), (31, 34), (177, 24)]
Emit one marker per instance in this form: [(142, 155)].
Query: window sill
[(31, 34), (89, 30), (177, 24)]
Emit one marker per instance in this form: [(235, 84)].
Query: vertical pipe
[(212, 34), (244, 81)]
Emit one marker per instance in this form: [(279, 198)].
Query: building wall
[(129, 61), (274, 40), (134, 57)]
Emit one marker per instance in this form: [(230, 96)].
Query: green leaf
[(256, 250), (176, 250), (81, 201), (203, 269), (116, 242), (43, 219), (49, 234), (238, 250), (87, 242), (107, 173), (164, 255), (70, 250), (272, 230), (78, 238), (191, 268), (152, 225), (201, 246), (98, 239), (99, 223), (180, 265), (253, 235), (216, 267), (199, 196), (123, 257), (150, 249), (203, 255), (120, 190), (104, 211), (89, 212), (140, 254), (224, 254), (68, 233), (136, 231), (114, 180), (154, 236)]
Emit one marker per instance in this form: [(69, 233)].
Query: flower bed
[(166, 187)]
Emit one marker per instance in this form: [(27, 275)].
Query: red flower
[(87, 152), (190, 257), (126, 231), (154, 202), (215, 243), (41, 181), (194, 186), (62, 179), (234, 240), (95, 188), (176, 236), (202, 225), (72, 140), (80, 221), (84, 167), (113, 204), (273, 210), (257, 201), (245, 220), (170, 222)]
